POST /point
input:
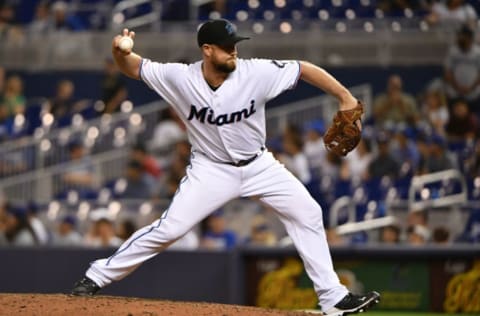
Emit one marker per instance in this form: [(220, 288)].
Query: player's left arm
[(321, 79)]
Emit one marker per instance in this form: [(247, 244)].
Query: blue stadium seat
[(377, 188), (32, 116), (471, 232)]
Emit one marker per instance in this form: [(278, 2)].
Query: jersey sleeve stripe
[(298, 75), (140, 69)]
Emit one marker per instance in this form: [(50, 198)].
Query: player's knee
[(174, 233)]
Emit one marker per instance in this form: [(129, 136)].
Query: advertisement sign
[(441, 285), (403, 285), (279, 283), (456, 286)]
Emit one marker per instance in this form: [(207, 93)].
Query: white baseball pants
[(207, 186)]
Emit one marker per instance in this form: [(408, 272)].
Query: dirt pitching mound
[(60, 304)]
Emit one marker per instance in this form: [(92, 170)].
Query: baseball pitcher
[(221, 99)]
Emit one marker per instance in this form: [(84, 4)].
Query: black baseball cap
[(218, 32)]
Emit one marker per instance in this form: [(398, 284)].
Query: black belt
[(245, 162)]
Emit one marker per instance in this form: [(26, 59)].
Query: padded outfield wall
[(436, 279)]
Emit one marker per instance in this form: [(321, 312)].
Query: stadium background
[(363, 43)]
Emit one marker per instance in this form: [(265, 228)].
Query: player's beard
[(226, 67)]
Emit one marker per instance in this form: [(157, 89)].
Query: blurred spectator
[(334, 239), (383, 163), (452, 13), (359, 159), (261, 234), (217, 235), (423, 145), (183, 151), (175, 170), (102, 234), (66, 234), (63, 105), (2, 80), (397, 7), (390, 234), (462, 69), (168, 131), (418, 235), (16, 227), (7, 14), (39, 229), (80, 172), (417, 217), (16, 161), (168, 187), (332, 166), (292, 131), (462, 125), (435, 110), (295, 160), (314, 148), (472, 162), (12, 101), (210, 9), (113, 87), (404, 150), (3, 127), (62, 20), (140, 154), (418, 232), (441, 235), (140, 185), (42, 21), (126, 229), (395, 106), (180, 159), (438, 158), (9, 32)]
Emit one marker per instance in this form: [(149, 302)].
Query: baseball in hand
[(125, 43)]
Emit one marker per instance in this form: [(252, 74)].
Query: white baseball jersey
[(227, 124)]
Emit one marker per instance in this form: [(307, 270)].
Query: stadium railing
[(108, 137), (439, 190), (49, 146)]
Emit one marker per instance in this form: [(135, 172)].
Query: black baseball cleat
[(85, 287), (353, 304)]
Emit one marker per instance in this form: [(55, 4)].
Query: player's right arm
[(128, 62), (163, 78)]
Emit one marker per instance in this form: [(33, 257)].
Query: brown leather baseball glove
[(345, 132)]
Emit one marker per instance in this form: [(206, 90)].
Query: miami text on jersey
[(221, 119)]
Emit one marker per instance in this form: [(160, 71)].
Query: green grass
[(376, 313), (384, 313)]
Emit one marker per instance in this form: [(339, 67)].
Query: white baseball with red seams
[(226, 125)]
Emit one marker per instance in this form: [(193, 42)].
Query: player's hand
[(116, 40)]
